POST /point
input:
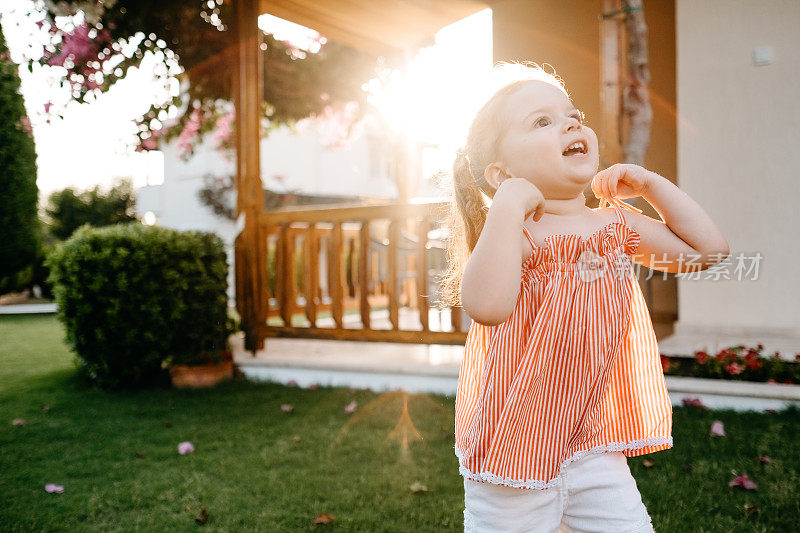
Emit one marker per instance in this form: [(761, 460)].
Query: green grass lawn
[(257, 468)]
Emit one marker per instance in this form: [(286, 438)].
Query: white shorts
[(596, 493)]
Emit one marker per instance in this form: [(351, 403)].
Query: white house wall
[(738, 132)]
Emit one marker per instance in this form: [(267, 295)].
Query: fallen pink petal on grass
[(287, 408), (717, 429), (764, 460), (350, 407), (185, 447), (694, 402), (744, 482), (52, 487), (18, 422)]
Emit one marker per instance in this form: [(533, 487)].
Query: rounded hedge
[(135, 299)]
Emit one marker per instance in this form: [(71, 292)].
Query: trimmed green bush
[(136, 299)]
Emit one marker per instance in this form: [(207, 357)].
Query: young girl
[(561, 379)]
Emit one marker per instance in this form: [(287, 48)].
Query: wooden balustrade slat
[(422, 273), (363, 280), (310, 273), (394, 236), (335, 269)]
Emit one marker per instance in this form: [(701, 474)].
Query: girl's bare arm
[(687, 240), (491, 281)]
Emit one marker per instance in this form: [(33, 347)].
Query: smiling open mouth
[(576, 148)]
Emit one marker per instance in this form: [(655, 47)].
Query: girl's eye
[(579, 115)]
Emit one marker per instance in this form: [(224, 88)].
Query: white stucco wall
[(738, 139)]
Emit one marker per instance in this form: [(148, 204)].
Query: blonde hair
[(464, 216)]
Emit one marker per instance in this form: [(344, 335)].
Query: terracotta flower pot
[(197, 376)]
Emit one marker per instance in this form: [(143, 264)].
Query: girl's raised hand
[(520, 190), (622, 180)]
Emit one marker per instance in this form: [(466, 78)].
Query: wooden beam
[(375, 26), (250, 195)]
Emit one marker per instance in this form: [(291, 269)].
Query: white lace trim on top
[(539, 484)]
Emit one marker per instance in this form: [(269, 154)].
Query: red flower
[(753, 365), (734, 368), (665, 362), (797, 356), (701, 357)]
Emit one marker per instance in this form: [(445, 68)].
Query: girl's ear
[(495, 175)]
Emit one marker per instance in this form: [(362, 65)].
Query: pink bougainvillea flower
[(149, 144), (287, 408), (189, 134), (26, 124), (76, 45), (744, 482), (717, 429), (223, 129), (764, 459), (18, 422), (185, 447), (52, 487), (350, 407)]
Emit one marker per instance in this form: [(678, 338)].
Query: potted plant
[(205, 369)]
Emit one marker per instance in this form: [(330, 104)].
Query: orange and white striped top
[(575, 369)]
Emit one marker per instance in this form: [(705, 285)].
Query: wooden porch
[(354, 273)]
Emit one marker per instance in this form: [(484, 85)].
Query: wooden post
[(250, 248), (625, 94), (611, 123)]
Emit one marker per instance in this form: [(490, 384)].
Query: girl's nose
[(573, 122)]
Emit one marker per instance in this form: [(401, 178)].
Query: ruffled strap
[(617, 204), (620, 203), (629, 237)]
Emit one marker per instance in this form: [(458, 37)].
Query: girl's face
[(541, 124)]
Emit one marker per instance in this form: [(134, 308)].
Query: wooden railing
[(370, 269), (365, 272)]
